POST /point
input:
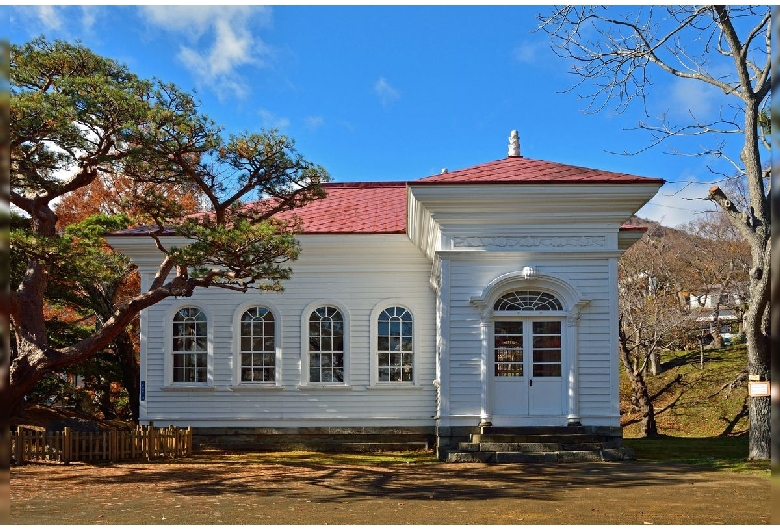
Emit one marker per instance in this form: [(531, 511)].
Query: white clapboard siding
[(591, 277), (355, 272)]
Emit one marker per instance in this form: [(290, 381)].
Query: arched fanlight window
[(528, 301)]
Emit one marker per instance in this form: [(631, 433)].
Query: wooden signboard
[(758, 388)]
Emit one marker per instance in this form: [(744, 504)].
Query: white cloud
[(676, 204), (314, 122), (88, 17), (272, 121), (218, 41), (386, 92), (689, 96), (49, 16), (528, 52)]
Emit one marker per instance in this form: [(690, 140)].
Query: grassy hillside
[(701, 413), (691, 401)]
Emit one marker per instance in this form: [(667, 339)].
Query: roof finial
[(514, 144)]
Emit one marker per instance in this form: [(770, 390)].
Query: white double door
[(526, 367)]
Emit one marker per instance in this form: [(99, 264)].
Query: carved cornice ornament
[(531, 241)]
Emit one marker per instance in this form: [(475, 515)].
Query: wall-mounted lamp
[(528, 272)]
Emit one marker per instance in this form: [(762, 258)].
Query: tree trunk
[(130, 375), (655, 363), (639, 391), (759, 408)]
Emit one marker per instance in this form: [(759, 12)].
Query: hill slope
[(691, 401)]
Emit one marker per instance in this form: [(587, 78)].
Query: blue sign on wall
[(143, 390)]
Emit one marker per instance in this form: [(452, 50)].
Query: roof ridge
[(366, 184), (522, 170)]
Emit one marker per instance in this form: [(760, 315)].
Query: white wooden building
[(482, 296)]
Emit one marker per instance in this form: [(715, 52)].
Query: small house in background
[(430, 308)]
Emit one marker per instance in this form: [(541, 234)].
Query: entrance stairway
[(544, 445)]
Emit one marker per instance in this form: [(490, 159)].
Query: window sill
[(255, 388), (325, 387), (188, 388), (395, 386)]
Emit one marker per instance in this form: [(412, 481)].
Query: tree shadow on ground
[(336, 483)]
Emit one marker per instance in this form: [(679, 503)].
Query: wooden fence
[(29, 444)]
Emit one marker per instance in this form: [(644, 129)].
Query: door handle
[(530, 382)]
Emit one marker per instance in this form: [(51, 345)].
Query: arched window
[(258, 346), (395, 351), (190, 346), (528, 301), (326, 345)]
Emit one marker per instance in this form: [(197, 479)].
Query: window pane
[(547, 356), (314, 344), (384, 374), (547, 370), (395, 374), (547, 342), (545, 328), (508, 328), (507, 342), (383, 343), (508, 370), (314, 375)]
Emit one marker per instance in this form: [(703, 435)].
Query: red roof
[(521, 170), (380, 207), (356, 207)]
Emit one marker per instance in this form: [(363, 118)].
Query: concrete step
[(568, 438), (535, 430), (546, 457)]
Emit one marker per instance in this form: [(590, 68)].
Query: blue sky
[(388, 92)]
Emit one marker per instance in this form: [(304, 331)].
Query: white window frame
[(305, 354), (239, 312), (374, 350), (168, 347)]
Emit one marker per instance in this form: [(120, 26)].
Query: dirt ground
[(279, 489)]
